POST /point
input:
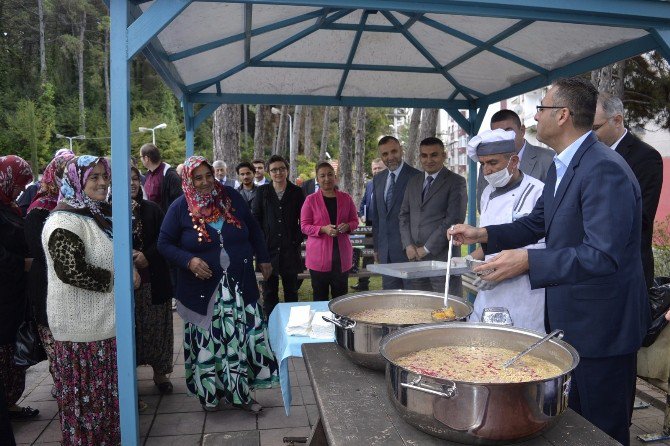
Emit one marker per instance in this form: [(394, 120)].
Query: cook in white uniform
[(508, 196)]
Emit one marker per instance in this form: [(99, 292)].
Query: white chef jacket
[(526, 306)]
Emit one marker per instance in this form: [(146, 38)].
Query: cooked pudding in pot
[(477, 365), (407, 316)]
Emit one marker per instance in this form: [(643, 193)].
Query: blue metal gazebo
[(449, 54)]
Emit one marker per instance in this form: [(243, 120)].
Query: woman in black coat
[(153, 311), (277, 208), (15, 174)]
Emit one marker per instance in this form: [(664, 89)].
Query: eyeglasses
[(596, 127), (278, 170), (557, 107)]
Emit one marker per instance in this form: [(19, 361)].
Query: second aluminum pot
[(477, 413), (360, 340)]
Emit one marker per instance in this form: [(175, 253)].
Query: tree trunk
[(226, 135), (412, 149), (346, 150), (610, 78), (359, 155), (105, 75), (260, 136), (80, 72), (43, 56), (307, 145), (324, 133), (246, 124), (293, 154), (282, 132)]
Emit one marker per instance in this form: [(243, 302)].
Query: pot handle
[(449, 392), (348, 325)]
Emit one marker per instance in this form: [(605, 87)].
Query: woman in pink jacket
[(327, 218)]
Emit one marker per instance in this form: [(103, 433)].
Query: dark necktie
[(429, 181), (389, 192)]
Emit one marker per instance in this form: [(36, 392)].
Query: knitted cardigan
[(80, 268)]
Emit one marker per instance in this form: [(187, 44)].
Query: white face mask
[(500, 178)]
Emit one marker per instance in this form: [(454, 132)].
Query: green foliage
[(647, 90), (306, 168)]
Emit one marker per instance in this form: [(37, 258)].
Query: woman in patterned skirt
[(153, 309), (77, 240), (38, 211), (15, 261), (210, 234)]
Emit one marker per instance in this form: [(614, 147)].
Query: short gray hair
[(219, 164), (610, 104)]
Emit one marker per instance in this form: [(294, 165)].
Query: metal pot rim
[(354, 296), (475, 326)]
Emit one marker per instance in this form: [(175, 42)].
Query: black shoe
[(23, 413), (360, 287)]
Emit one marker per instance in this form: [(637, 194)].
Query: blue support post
[(662, 36), (190, 128), (123, 272)]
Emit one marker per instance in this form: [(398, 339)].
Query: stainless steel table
[(355, 410)]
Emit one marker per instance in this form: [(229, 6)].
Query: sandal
[(142, 405), (209, 409), (23, 413), (252, 406), (163, 383)]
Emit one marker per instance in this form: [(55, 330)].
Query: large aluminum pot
[(477, 413), (360, 340)]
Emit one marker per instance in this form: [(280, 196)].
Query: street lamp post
[(292, 161), (70, 138), (153, 131)]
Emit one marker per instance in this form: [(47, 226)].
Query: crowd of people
[(565, 232)]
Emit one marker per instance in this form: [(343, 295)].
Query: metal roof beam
[(591, 62), (199, 86), (245, 98), (343, 66), (352, 54), (151, 22), (624, 13), (248, 10), (662, 36), (241, 36), (412, 20), (467, 92), (366, 28), (486, 46)]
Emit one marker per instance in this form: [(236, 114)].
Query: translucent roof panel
[(443, 51)]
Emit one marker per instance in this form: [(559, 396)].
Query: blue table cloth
[(285, 346)]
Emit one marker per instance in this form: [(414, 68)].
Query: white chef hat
[(491, 142)]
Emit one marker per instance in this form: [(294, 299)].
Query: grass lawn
[(305, 292)]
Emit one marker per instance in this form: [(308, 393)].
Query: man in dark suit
[(309, 187), (388, 191), (645, 162), (590, 214), (535, 161), (221, 174), (433, 202), (364, 212)]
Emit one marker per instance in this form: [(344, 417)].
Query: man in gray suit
[(433, 202), (389, 189), (221, 174), (535, 161)]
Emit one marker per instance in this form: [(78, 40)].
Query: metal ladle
[(556, 333)]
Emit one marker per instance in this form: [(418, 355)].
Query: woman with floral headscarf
[(38, 211), (77, 240), (211, 236), (15, 261)]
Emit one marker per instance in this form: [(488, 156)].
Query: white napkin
[(299, 321), (321, 329)]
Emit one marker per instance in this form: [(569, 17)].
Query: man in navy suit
[(590, 214), (388, 192), (365, 213)]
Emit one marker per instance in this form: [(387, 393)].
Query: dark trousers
[(271, 291), (601, 391), (364, 282), (324, 282), (6, 433), (436, 285)]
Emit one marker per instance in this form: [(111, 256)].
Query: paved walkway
[(178, 419)]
